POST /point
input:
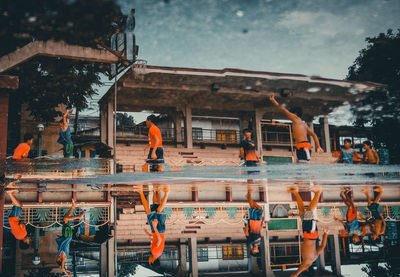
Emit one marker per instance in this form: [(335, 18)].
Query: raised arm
[(290, 115), (65, 117)]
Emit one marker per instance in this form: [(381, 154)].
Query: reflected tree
[(380, 62), (392, 266), (42, 272)]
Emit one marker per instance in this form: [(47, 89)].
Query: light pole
[(40, 128)]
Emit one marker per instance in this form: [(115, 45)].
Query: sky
[(311, 37)]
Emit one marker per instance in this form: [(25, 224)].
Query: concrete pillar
[(103, 124), (326, 141), (258, 114), (311, 126), (103, 259), (182, 270), (110, 125), (188, 127), (193, 257), (267, 256), (321, 258), (337, 268), (178, 128), (110, 255), (243, 124)]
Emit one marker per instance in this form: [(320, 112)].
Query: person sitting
[(22, 150)]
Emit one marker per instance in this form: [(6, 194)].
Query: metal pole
[(115, 240), (115, 124), (40, 144)]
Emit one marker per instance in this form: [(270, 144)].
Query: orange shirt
[(154, 132), (255, 226), (21, 151), (17, 229), (351, 214), (157, 251)]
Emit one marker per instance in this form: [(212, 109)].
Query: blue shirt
[(354, 226), (347, 157), (63, 245), (65, 136)]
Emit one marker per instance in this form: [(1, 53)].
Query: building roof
[(230, 92)]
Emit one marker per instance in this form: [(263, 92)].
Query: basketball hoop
[(139, 68)]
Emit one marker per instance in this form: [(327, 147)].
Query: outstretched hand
[(320, 150)]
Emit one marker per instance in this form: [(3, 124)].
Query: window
[(226, 135), (232, 253), (197, 133), (202, 254)]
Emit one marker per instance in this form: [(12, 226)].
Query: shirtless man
[(370, 155), (300, 131), (310, 231), (156, 219), (377, 224)]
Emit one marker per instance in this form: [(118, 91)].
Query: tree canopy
[(380, 62), (47, 82)]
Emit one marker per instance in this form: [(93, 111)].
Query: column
[(321, 258), (258, 114), (178, 128), (110, 125), (243, 124), (193, 257), (326, 141), (103, 124), (182, 270), (311, 126), (110, 255), (188, 127), (337, 268), (267, 256), (103, 259), (4, 99)]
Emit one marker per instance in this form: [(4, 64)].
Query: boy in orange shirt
[(253, 225), (23, 148), (18, 229), (156, 219), (155, 158)]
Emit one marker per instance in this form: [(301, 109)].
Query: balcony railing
[(274, 138)]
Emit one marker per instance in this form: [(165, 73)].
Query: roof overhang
[(231, 92)]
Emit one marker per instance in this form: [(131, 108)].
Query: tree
[(380, 62), (123, 119), (126, 269), (47, 82)]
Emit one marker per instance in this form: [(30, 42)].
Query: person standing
[(248, 150), (155, 157), (65, 136)]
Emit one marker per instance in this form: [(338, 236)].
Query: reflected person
[(253, 223), (156, 219), (377, 222), (309, 251), (63, 242)]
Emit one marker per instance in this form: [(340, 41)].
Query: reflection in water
[(216, 219)]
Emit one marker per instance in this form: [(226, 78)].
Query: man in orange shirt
[(23, 148), (309, 251), (156, 219), (155, 158), (18, 229), (253, 225)]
